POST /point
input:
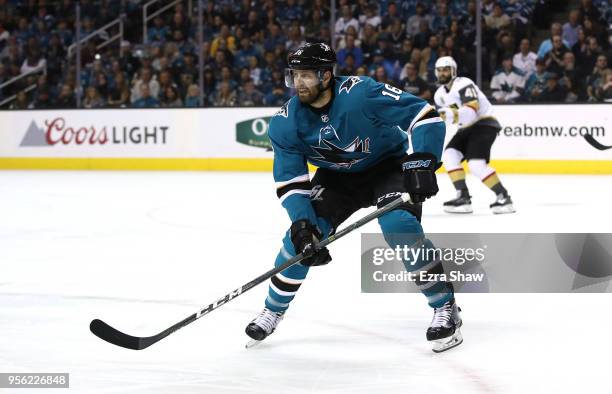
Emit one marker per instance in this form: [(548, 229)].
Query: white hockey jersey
[(467, 102)]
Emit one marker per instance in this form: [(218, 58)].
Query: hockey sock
[(458, 178), (492, 181)]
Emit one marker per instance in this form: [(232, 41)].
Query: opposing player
[(355, 131), (462, 104)]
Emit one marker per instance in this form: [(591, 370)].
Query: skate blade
[(252, 343), (505, 209), (444, 344), (459, 209)]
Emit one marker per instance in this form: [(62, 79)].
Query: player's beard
[(309, 97), (445, 81)]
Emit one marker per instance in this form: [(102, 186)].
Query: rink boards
[(534, 139)]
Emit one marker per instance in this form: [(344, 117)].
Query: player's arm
[(427, 130), (290, 174), (412, 114), (468, 110)]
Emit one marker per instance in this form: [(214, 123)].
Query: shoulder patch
[(283, 111), (349, 83)]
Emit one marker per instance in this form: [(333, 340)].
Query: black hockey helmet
[(312, 56), (315, 56)]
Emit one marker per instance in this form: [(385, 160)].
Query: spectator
[(170, 98), (145, 99), (292, 11), (294, 39), (192, 98), (497, 20), (277, 96), (507, 84), (554, 57), (314, 26), (381, 61), (586, 59), (442, 20), (415, 22), (554, 92), (33, 62), (119, 94), (225, 96), (571, 79), (421, 39), (349, 66), (226, 37), (525, 59), (66, 98), (547, 45), (274, 38), (145, 79), (414, 84), (390, 16), (429, 55), (571, 28), (344, 21), (159, 31), (350, 49), (249, 96), (607, 88), (405, 53), (369, 17), (380, 75), (92, 98), (596, 80), (537, 81), (369, 37), (21, 101)]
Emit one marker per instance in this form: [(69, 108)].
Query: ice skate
[(503, 204), (444, 332), (263, 325), (461, 204)]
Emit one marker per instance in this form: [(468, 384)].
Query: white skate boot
[(444, 333), (263, 325)]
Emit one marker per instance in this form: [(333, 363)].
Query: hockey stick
[(594, 143), (116, 337)]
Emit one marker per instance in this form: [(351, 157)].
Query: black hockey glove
[(305, 236), (420, 175)]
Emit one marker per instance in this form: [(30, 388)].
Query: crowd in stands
[(246, 43)]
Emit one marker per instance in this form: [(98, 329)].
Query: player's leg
[(402, 227), (478, 153), (452, 158), (332, 208)]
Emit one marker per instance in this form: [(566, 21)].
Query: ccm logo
[(388, 195), (416, 164)]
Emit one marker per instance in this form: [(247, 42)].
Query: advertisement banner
[(534, 138)]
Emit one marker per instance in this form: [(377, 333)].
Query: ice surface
[(143, 250)]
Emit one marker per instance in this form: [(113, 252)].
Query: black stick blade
[(116, 337), (594, 143)]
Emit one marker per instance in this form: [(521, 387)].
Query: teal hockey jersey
[(364, 123)]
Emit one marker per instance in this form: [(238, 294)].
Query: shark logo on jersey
[(283, 111), (344, 157), (328, 133), (349, 84)]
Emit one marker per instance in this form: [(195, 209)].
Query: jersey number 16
[(395, 92)]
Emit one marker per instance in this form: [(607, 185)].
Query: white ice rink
[(143, 250)]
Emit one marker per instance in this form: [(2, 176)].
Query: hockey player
[(355, 131), (462, 104)]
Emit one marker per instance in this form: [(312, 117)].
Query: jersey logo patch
[(341, 157), (349, 83), (283, 111)]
